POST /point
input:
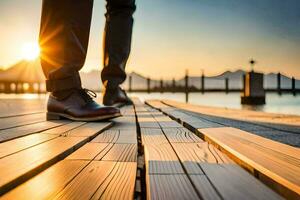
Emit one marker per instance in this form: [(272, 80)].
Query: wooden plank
[(269, 159), (120, 184), (180, 134), (107, 136), (194, 123), (101, 179), (157, 104), (127, 137), (238, 114), (89, 129), (153, 136), (19, 144), (159, 155), (62, 129), (12, 133), (148, 122), (90, 151), (161, 159), (192, 155), (120, 153), (233, 182), (48, 183), (13, 107), (205, 188), (170, 187), (124, 123), (21, 120), (36, 158)]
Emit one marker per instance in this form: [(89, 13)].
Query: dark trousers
[(64, 35)]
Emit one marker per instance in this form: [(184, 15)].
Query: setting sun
[(30, 51)]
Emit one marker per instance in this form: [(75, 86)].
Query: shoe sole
[(58, 116)]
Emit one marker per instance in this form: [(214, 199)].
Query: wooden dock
[(154, 151)]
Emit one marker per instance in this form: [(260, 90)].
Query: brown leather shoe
[(79, 106), (116, 97)]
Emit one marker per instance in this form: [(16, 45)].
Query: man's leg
[(117, 43), (64, 36)]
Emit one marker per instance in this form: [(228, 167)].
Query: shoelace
[(87, 95), (124, 92)]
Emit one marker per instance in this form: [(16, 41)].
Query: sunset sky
[(171, 36)]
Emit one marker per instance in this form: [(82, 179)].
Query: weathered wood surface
[(48, 183), (278, 162), (78, 160), (12, 133), (11, 122), (20, 107), (174, 158), (274, 163), (246, 115)]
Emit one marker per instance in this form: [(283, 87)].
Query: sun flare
[(30, 51)]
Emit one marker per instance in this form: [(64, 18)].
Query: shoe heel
[(52, 116)]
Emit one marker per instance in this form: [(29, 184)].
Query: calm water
[(287, 103)]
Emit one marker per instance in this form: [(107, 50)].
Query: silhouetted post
[(39, 88), (202, 83), (279, 83), (186, 86), (6, 87), (226, 85), (31, 88), (244, 82), (173, 85), (130, 83), (16, 88), (161, 85), (148, 85), (294, 86)]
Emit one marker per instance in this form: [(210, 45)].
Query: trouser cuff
[(54, 85)]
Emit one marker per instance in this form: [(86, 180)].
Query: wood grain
[(88, 130), (153, 136), (64, 128), (12, 133), (244, 115), (90, 151), (120, 184), (276, 161), (21, 120), (124, 123), (22, 143), (233, 182), (192, 155), (148, 122), (127, 137), (121, 153), (161, 159), (102, 179), (13, 107), (170, 187), (205, 188), (34, 158), (180, 134), (47, 184), (107, 136)]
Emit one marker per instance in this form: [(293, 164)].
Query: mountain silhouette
[(23, 71), (31, 72)]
